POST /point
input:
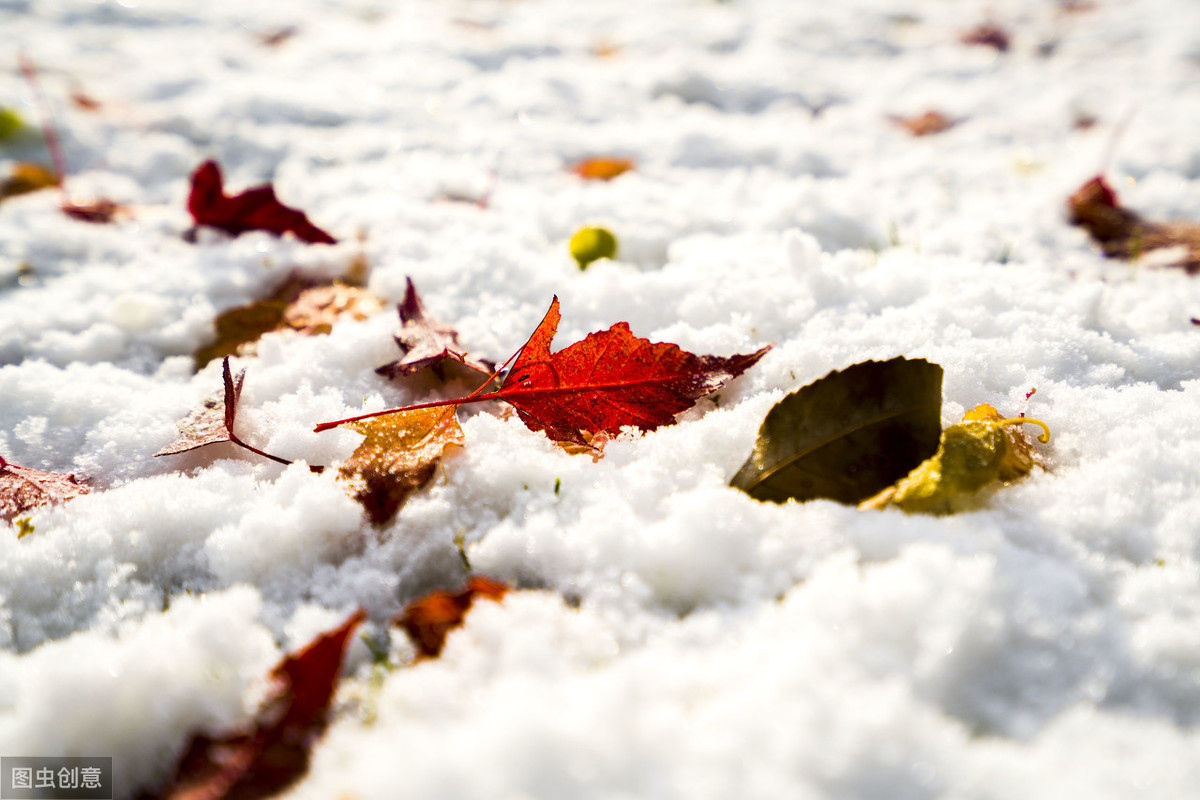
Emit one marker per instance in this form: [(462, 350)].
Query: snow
[(671, 637)]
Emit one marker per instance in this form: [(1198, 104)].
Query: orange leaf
[(602, 168), (428, 620)]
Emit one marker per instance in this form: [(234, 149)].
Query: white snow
[(672, 636)]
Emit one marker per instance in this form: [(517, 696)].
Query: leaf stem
[(49, 129), (1045, 435)]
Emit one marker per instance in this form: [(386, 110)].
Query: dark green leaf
[(848, 435)]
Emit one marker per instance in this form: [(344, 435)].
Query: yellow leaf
[(399, 455), (26, 177), (982, 449)]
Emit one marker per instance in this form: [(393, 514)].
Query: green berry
[(591, 244)]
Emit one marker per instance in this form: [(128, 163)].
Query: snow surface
[(673, 637)]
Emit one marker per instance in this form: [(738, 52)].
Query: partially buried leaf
[(213, 422), (427, 621), (298, 304), (608, 381), (848, 435), (602, 168), (982, 449), (27, 177), (255, 209), (399, 455), (274, 753), (23, 489), (427, 343), (1122, 233)]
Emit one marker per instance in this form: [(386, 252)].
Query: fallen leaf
[(602, 168), (428, 620), (610, 380), (926, 124), (213, 422), (255, 209), (988, 34), (427, 344), (983, 449), (848, 435), (102, 211), (83, 101), (274, 753), (24, 488), (1122, 233), (316, 308), (298, 304), (27, 177), (399, 455), (278, 36)]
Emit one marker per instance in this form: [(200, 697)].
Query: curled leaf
[(427, 343), (1122, 233), (982, 449), (427, 621), (848, 435), (213, 422), (399, 455)]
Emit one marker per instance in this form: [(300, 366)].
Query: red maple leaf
[(609, 380), (429, 619), (255, 209), (273, 755), (426, 343), (23, 489)]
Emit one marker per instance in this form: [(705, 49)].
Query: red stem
[(458, 401), (49, 129)]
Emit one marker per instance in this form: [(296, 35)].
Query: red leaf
[(426, 343), (930, 122), (255, 209), (24, 489), (428, 620), (273, 755), (610, 380)]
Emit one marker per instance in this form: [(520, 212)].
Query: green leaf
[(848, 435)]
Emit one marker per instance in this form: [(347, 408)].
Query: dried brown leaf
[(399, 455), (427, 343)]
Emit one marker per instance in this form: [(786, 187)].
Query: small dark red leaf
[(274, 754), (427, 343), (255, 209), (428, 620), (989, 34)]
